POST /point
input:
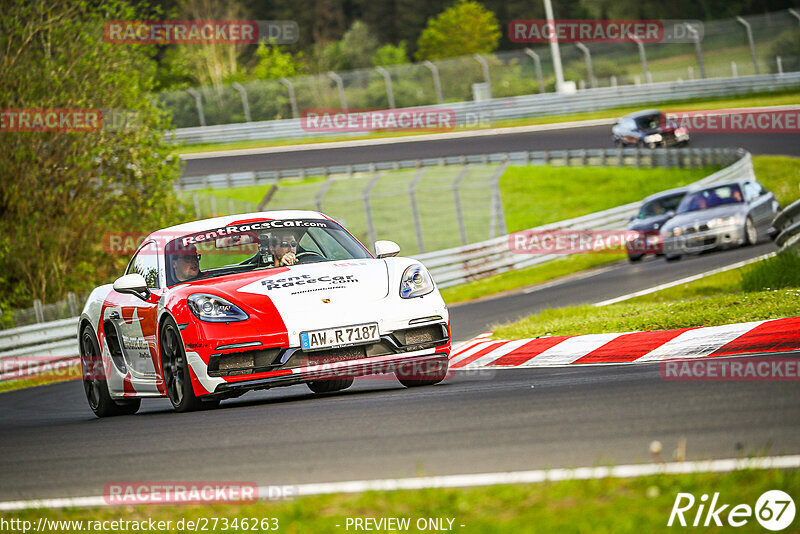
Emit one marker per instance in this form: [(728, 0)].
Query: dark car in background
[(724, 215), (655, 210), (650, 129)]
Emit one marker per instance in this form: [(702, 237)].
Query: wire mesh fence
[(723, 52)]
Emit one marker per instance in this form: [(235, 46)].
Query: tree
[(274, 63), (390, 55), (464, 28), (61, 192)]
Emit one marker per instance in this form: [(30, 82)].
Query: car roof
[(739, 182), (225, 220), (644, 113), (667, 193)]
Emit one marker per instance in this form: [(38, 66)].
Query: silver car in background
[(720, 216)]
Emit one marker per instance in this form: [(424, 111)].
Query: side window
[(146, 263), (751, 190)]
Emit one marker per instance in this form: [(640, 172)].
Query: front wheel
[(422, 374), (94, 380), (673, 257), (750, 232), (633, 258), (175, 369), (330, 385)]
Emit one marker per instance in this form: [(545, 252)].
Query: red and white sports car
[(210, 309)]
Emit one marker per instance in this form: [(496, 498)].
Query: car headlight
[(681, 131), (723, 221), (416, 282), (653, 138), (677, 231), (214, 309)]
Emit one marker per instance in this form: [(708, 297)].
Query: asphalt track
[(568, 138), (52, 446)]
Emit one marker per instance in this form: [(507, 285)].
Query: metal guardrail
[(787, 223), (29, 349), (536, 105), (478, 260)]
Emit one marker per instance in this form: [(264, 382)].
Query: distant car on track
[(648, 129), (730, 214), (653, 213), (211, 309)]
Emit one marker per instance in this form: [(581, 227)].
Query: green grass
[(779, 174), (599, 506), (70, 373), (757, 100), (768, 289), (533, 196)]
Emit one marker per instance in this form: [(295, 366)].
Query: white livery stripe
[(570, 350), (699, 342)]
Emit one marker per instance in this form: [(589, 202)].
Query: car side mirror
[(670, 214), (132, 284), (386, 249), (631, 218)]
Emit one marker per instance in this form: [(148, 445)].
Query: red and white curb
[(770, 336)]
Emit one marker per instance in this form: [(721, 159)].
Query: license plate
[(342, 336)]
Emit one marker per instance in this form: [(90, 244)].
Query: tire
[(329, 386), (175, 370), (95, 385), (427, 377), (674, 257), (634, 258), (750, 232)]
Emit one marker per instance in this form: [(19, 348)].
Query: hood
[(703, 216), (650, 223), (297, 287)]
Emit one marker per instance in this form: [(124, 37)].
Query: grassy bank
[(605, 505), (768, 289)]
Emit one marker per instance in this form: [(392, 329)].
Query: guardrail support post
[(752, 44), (38, 311), (368, 209), (198, 101), (196, 202), (485, 66), (620, 157), (457, 200), (292, 97), (322, 192), (698, 49), (338, 79), (780, 64), (72, 301), (412, 196), (245, 104), (642, 58), (588, 57), (498, 220), (437, 84), (638, 158), (538, 63), (387, 80)]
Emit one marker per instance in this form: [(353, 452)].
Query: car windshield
[(659, 206), (252, 245), (649, 122), (709, 198)]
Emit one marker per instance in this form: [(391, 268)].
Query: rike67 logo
[(774, 510)]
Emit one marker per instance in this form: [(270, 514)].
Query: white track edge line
[(478, 479), (684, 280)]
